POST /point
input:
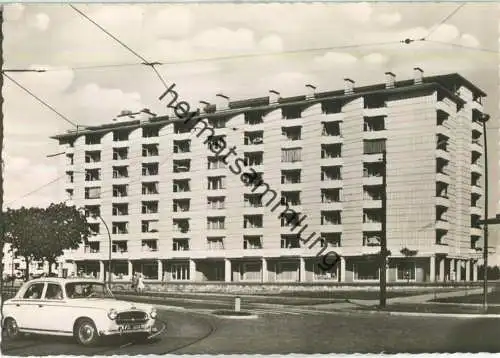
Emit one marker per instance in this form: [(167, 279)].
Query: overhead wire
[(44, 103)]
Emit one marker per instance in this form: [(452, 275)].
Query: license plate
[(132, 327)]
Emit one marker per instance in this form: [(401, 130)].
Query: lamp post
[(109, 250)]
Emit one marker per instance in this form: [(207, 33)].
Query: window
[(150, 150), (149, 226), (290, 242), (181, 185), (216, 202), (216, 183), (91, 139), (182, 146), (291, 155), (92, 210), (180, 225), (252, 242), (179, 272), (331, 196), (331, 239), (254, 117), (253, 158), (150, 188), (366, 271), (215, 243), (149, 245), (119, 246), (181, 205), (252, 200), (92, 156), (148, 132), (120, 172), (93, 193), (287, 271), (120, 153), (92, 174), (120, 190), (331, 151), (149, 207), (292, 133), (256, 137), (290, 176), (252, 221), (374, 124), (372, 216), (180, 244), (407, 271), (331, 129), (216, 223), (331, 218), (182, 166), (34, 291), (120, 228), (375, 146), (329, 173), (119, 136), (290, 197), (54, 292), (149, 169), (216, 163)]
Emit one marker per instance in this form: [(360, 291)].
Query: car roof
[(61, 280)]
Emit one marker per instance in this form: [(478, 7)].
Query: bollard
[(237, 304)]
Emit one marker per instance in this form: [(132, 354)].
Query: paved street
[(290, 330)]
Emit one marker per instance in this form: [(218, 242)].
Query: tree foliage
[(44, 233)]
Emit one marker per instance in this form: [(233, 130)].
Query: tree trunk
[(50, 261), (27, 271)]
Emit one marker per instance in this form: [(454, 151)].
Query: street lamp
[(109, 249)]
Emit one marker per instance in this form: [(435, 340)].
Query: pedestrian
[(140, 282), (134, 281)]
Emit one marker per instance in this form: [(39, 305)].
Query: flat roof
[(448, 83)]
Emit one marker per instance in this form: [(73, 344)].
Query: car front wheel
[(86, 333), (10, 328)]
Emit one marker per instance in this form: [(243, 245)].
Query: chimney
[(274, 96), (311, 91), (390, 79), (418, 74), (348, 86), (221, 102)]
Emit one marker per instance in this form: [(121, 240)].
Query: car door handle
[(18, 305), (40, 305)]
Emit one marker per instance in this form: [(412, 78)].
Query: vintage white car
[(83, 308)]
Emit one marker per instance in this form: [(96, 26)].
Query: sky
[(92, 78)]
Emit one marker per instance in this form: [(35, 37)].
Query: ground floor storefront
[(281, 269)]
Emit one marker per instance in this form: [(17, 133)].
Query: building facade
[(178, 212)]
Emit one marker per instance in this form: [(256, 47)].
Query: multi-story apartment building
[(176, 212)]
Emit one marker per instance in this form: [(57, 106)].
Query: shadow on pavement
[(465, 338)]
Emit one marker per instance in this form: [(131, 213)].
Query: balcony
[(442, 201), (443, 106), (441, 153), (92, 147), (372, 158), (443, 178), (372, 180), (331, 227), (372, 204), (476, 168), (441, 129), (331, 184), (477, 189), (476, 210), (476, 146), (331, 206), (477, 126), (372, 226), (375, 112), (442, 225), (476, 231)]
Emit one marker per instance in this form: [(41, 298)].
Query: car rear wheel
[(86, 333), (10, 328)]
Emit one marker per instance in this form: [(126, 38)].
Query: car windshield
[(87, 290)]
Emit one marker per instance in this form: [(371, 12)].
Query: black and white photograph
[(249, 178)]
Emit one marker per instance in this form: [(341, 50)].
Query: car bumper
[(115, 329)]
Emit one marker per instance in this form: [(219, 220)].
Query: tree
[(66, 227), (44, 234), (23, 230)]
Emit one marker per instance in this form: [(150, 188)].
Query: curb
[(443, 315), (235, 317)]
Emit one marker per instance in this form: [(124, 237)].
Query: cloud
[(375, 58), (271, 43), (39, 22), (335, 58), (445, 33), (105, 102), (360, 12), (173, 21), (55, 80), (223, 39), (388, 19), (469, 40), (13, 12)]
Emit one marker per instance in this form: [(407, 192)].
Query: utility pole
[(2, 224), (383, 239), (485, 227)]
